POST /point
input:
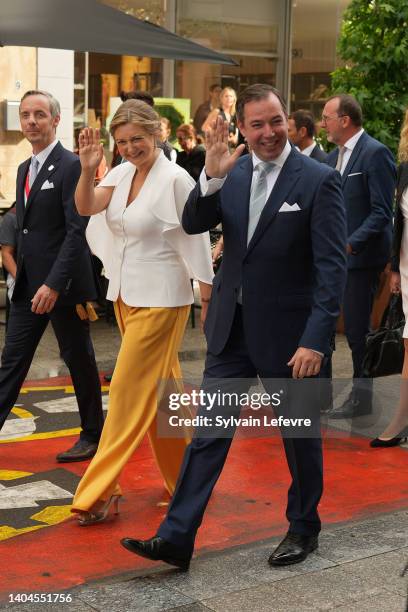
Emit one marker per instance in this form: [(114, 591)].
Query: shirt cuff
[(318, 352), (208, 186)]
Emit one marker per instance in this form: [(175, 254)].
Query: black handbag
[(384, 354)]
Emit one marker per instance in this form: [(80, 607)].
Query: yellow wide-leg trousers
[(151, 338)]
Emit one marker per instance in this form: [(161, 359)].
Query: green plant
[(373, 45)]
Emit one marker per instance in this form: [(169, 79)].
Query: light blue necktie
[(33, 170), (257, 201), (258, 198)]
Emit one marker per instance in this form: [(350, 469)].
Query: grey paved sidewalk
[(356, 569), (106, 339)]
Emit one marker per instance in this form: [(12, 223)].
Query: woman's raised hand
[(90, 149), (218, 159)]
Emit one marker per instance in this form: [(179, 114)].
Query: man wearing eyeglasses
[(368, 182)]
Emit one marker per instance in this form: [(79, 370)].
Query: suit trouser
[(24, 333), (205, 456), (151, 338), (358, 302)]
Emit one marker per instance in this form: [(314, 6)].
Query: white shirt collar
[(351, 142), (308, 150), (279, 161), (42, 155)]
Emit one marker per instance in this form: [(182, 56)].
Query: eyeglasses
[(326, 118)]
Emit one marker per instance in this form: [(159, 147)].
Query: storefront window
[(315, 30), (247, 32), (109, 75), (80, 93), (149, 10)]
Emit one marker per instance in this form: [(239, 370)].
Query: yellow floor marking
[(66, 388), (56, 388), (53, 515), (45, 435), (13, 475), (7, 532), (22, 413)]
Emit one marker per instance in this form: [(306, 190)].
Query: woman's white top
[(147, 256)]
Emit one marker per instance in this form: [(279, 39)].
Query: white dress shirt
[(42, 155), (147, 256), (210, 186), (348, 149), (308, 150)]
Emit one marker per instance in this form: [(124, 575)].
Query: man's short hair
[(55, 108), (144, 96), (258, 91), (214, 86), (349, 106), (304, 118)]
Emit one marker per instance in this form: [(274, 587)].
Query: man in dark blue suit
[(368, 182), (273, 307), (54, 272), (302, 132)]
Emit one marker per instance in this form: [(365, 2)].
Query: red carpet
[(248, 505)]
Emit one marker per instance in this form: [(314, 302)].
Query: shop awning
[(87, 25)]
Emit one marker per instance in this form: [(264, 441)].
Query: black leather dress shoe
[(350, 408), (158, 549), (294, 548), (81, 451)]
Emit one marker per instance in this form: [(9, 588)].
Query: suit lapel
[(21, 178), (47, 169), (241, 198), (288, 176), (354, 157), (332, 157)]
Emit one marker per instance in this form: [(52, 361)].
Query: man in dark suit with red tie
[(54, 272)]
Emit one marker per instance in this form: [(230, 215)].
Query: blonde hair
[(403, 143), (229, 89), (139, 113)]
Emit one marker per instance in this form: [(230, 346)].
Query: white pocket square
[(289, 207), (47, 185), (354, 174)]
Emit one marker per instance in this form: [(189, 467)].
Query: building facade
[(288, 43)]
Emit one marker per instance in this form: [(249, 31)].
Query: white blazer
[(147, 256)]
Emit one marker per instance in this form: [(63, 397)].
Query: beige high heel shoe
[(99, 516)]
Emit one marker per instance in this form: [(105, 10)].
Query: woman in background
[(397, 430), (228, 100), (192, 157)]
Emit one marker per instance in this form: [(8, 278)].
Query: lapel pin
[(51, 167)]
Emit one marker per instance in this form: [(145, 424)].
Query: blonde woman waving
[(135, 229)]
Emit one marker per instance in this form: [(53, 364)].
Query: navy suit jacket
[(52, 247), (293, 271), (319, 155), (368, 184)]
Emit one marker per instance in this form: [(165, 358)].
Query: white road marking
[(64, 404), (17, 428), (26, 495)]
